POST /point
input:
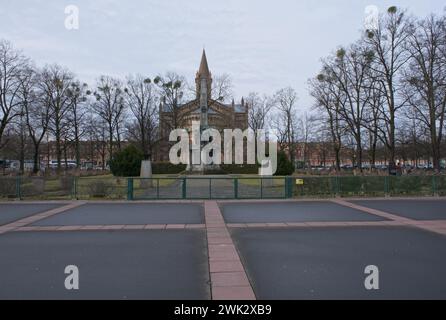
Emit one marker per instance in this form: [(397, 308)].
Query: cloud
[(263, 45)]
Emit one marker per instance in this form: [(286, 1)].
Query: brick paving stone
[(228, 277)]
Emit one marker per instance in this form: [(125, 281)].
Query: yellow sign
[(299, 181)]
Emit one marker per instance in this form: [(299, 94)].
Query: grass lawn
[(61, 188), (256, 181), (110, 187)]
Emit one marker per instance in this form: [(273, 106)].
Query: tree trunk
[(338, 158), (110, 148), (436, 156), (36, 158)]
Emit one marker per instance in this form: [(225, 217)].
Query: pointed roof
[(204, 69)]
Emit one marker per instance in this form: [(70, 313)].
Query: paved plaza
[(276, 249)]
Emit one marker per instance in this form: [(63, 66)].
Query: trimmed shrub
[(127, 163), (284, 166), (215, 172), (167, 168), (240, 168)]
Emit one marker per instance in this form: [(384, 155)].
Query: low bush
[(167, 168), (284, 166), (127, 163), (240, 168)]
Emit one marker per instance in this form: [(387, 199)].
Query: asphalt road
[(167, 264), (292, 212), (413, 209), (11, 212), (128, 213), (329, 263)]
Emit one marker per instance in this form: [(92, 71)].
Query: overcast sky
[(262, 44)]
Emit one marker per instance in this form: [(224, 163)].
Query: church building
[(208, 110)]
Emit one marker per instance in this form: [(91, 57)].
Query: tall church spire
[(203, 80), (204, 68)]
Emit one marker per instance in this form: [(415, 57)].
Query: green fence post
[(434, 186), (18, 190), (158, 188), (261, 188), (285, 186), (339, 186), (74, 188), (336, 186), (386, 186), (236, 188), (210, 188), (130, 189), (288, 187), (184, 189)]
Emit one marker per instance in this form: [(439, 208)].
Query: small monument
[(146, 172), (204, 81)]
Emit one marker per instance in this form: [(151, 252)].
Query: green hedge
[(240, 168), (284, 166), (167, 168), (127, 163)]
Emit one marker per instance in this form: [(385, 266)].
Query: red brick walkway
[(228, 277), (330, 224), (437, 226), (31, 219), (112, 227)]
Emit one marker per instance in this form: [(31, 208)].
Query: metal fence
[(208, 188), (91, 188), (371, 186)]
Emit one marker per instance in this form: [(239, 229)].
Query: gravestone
[(146, 173)]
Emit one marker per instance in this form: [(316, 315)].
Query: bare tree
[(36, 110), (329, 99), (21, 143), (413, 132), (109, 106), (78, 94), (172, 92), (54, 83), (286, 118), (350, 70), (306, 133), (388, 42), (259, 111), (425, 79), (222, 88), (12, 65), (141, 100), (373, 121), (96, 132)]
